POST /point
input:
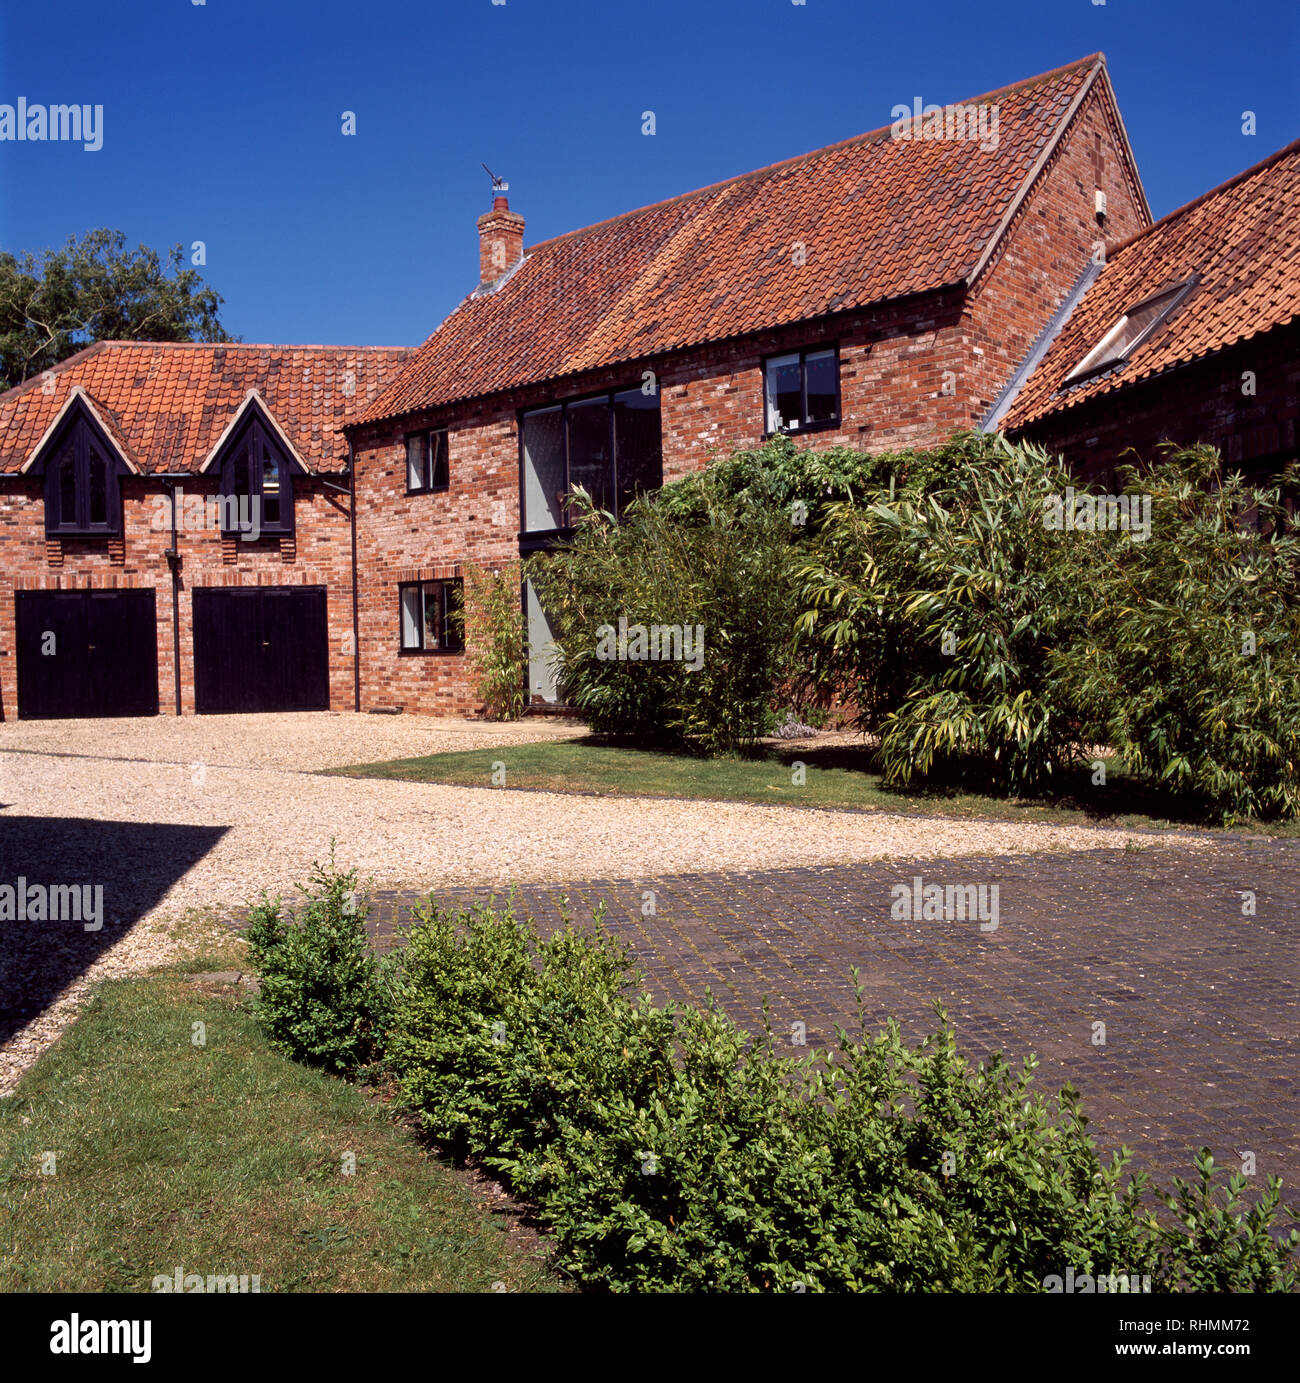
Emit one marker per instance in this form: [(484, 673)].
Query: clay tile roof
[(1241, 241), (166, 403), (880, 218)]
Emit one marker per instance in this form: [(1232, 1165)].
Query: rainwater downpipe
[(173, 556)]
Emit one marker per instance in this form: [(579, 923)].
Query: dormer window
[(1134, 328), (256, 471), (83, 470)]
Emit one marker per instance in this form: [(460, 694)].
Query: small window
[(426, 461), (256, 483), (1137, 325), (802, 390), (82, 485), (270, 489), (98, 477), (429, 617), (67, 471)]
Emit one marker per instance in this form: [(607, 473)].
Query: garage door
[(260, 648), (86, 653)]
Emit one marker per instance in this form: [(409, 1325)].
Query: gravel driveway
[(169, 814)]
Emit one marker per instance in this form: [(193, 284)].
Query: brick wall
[(403, 537), (319, 553), (1049, 242)]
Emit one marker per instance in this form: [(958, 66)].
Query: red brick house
[(877, 293), (175, 529), (1190, 333)]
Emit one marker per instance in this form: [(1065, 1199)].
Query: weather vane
[(498, 184)]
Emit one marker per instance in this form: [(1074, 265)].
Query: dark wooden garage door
[(260, 648), (86, 653)]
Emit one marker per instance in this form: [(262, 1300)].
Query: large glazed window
[(610, 445), (591, 450), (545, 479), (638, 445)]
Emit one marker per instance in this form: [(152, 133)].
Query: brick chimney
[(500, 240)]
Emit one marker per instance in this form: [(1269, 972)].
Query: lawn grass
[(222, 1159), (835, 777)]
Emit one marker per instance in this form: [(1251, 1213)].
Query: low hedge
[(320, 998), (667, 1150)]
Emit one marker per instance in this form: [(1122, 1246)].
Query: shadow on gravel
[(59, 877)]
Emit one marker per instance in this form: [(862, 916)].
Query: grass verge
[(837, 777), (222, 1159)]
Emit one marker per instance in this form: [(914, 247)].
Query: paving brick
[(1201, 1004)]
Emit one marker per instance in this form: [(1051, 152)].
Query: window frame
[(803, 352), (429, 488), (533, 537), (449, 626), (77, 436), (1097, 360), (242, 442)]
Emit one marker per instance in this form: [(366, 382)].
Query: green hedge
[(668, 1151), (321, 999)]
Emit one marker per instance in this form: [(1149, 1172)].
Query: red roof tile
[(1243, 241), (879, 217), (166, 404)]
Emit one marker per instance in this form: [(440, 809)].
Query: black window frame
[(430, 467), (77, 434), (532, 538), (256, 425), (803, 352), (453, 632)]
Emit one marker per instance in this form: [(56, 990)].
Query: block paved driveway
[(1199, 1003)]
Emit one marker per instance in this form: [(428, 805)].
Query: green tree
[(53, 303)]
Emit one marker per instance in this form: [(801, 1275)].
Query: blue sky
[(222, 121)]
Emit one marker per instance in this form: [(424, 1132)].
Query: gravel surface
[(206, 811), (301, 740)]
